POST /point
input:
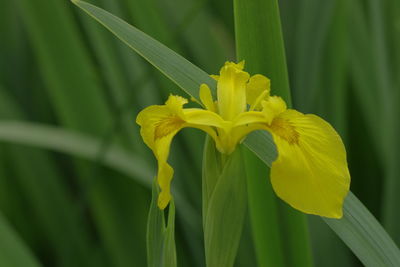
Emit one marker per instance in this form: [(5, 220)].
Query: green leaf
[(160, 238), (226, 208), (48, 196), (262, 37), (87, 147), (264, 216), (155, 230), (13, 252), (210, 172), (364, 235), (169, 242), (168, 62), (76, 144), (186, 75), (259, 41), (77, 96)]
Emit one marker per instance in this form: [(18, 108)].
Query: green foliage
[(14, 252), (364, 235), (259, 41), (149, 48), (75, 176), (75, 144), (266, 226), (224, 204), (160, 236)]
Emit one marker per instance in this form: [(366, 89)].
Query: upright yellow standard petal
[(206, 97), (231, 91), (258, 89), (311, 172)]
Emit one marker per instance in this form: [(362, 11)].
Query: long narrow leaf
[(226, 209), (259, 41), (13, 252), (160, 237), (87, 147), (265, 225), (77, 144), (364, 235), (169, 62)]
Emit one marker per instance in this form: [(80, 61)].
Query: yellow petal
[(159, 124), (196, 116), (272, 107), (311, 172), (215, 77), (165, 171), (206, 97), (208, 122), (175, 104), (238, 66), (148, 120), (231, 91), (249, 117), (258, 88)]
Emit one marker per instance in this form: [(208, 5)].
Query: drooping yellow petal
[(258, 89), (231, 91), (165, 171), (311, 172), (159, 124)]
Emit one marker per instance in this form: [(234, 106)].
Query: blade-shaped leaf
[(259, 41), (169, 62), (155, 231), (87, 147), (77, 144), (160, 238), (169, 242), (211, 171), (226, 208), (364, 235), (266, 228), (13, 252)]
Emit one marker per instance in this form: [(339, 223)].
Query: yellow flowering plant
[(310, 172)]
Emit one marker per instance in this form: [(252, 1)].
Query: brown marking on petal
[(167, 125), (282, 128)]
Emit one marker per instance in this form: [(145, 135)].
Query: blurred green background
[(75, 175)]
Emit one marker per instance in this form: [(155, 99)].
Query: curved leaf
[(76, 144)]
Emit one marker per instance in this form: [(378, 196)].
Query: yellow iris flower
[(310, 172)]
